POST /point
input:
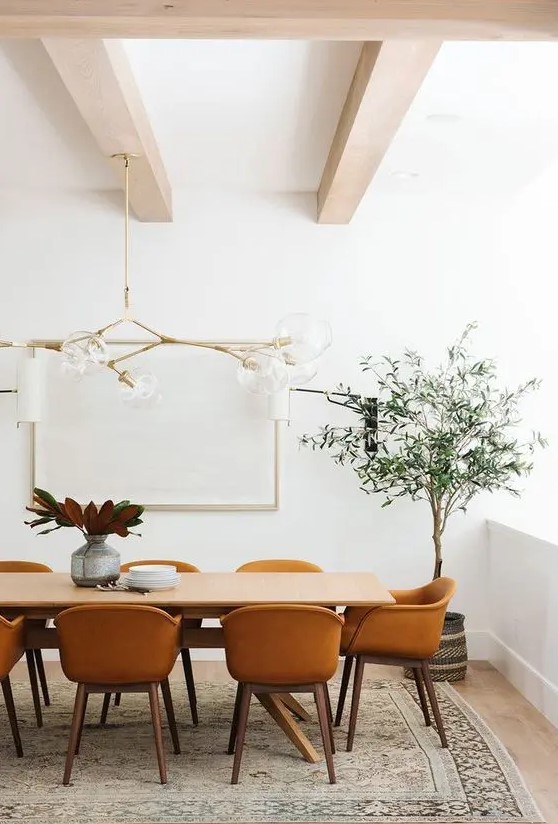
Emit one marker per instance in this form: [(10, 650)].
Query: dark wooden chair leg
[(329, 719), (105, 709), (347, 667), (157, 731), (190, 685), (417, 672), (42, 676), (357, 686), (74, 732), (434, 703), (78, 742), (325, 727), (169, 709), (243, 711), (12, 717), (234, 724), (328, 704), (117, 697), (34, 686)]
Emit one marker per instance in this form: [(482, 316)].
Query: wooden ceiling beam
[(305, 19), (387, 77), (99, 78)]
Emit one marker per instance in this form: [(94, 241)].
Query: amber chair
[(281, 648), (128, 647), (287, 565), (34, 658), (279, 565), (11, 650), (189, 623), (407, 634)]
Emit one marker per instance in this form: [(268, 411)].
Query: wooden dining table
[(199, 595)]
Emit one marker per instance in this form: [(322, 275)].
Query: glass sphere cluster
[(84, 354), (299, 341)]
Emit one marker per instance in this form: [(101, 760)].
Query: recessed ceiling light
[(402, 175), (443, 117)]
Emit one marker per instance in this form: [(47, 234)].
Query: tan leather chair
[(281, 648), (11, 650), (124, 647), (34, 658), (286, 565), (190, 623), (407, 634), (279, 565)]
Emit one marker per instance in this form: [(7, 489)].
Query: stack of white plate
[(153, 577)]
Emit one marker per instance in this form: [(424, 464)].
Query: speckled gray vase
[(95, 563)]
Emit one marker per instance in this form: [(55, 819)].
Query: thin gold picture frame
[(272, 506)]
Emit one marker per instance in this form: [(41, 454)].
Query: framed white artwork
[(207, 446)]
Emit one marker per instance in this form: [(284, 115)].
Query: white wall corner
[(479, 645)]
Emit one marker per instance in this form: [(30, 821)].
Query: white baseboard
[(532, 684)]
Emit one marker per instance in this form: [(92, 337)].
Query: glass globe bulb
[(72, 372), (302, 373), (139, 389), (85, 352), (302, 338), (263, 373)]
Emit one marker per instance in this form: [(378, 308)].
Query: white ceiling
[(261, 115), (248, 114), (506, 131)]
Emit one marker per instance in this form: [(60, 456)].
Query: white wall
[(411, 270), (523, 584)]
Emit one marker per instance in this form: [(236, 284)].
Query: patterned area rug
[(396, 773)]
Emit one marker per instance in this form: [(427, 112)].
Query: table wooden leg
[(292, 704), (283, 718)]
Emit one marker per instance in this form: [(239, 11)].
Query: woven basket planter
[(450, 662)]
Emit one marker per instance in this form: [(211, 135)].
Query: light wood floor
[(531, 740)]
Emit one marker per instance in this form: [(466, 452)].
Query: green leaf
[(47, 497)]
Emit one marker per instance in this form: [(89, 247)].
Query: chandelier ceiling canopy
[(289, 358)]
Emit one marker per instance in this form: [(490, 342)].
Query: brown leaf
[(127, 514), (119, 529), (105, 516), (45, 504), (90, 518), (74, 512), (39, 511)]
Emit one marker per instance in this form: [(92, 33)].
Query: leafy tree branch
[(440, 435)]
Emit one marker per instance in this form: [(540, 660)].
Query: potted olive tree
[(439, 435)]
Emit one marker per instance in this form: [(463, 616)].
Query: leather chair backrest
[(282, 643), (117, 644), (11, 643), (279, 565), (410, 628), (23, 566)]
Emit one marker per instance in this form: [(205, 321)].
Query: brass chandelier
[(266, 367)]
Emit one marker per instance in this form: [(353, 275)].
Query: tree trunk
[(437, 538)]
